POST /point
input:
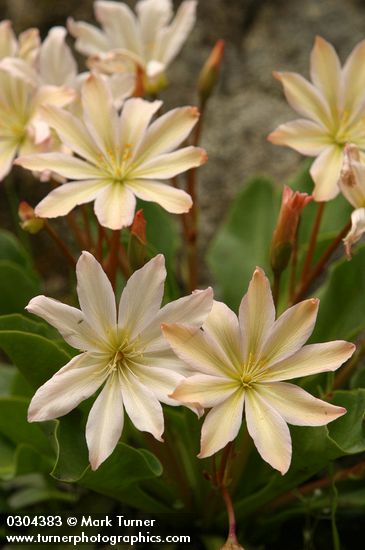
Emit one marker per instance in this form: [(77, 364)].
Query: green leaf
[(349, 431), (11, 249), (7, 377), (243, 242), (36, 357), (15, 427), (342, 300), (17, 287)]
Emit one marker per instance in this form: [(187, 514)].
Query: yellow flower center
[(116, 165), (126, 357)]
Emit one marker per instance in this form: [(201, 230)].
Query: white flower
[(123, 351), (124, 156), (333, 105), (243, 363), (151, 40)]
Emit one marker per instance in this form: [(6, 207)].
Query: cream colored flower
[(352, 185), (244, 363), (124, 156), (333, 105), (150, 40), (25, 47), (122, 351)]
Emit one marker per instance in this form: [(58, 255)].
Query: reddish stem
[(113, 260), (313, 240), (61, 245)]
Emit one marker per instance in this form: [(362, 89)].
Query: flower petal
[(69, 321), (120, 25), (290, 331), (269, 432), (173, 200), (222, 424), (353, 75), (114, 206), (311, 359), (326, 72), (173, 37), (161, 381), (7, 153), (223, 327), (325, 172), (64, 198), (72, 132), (204, 390), (105, 422), (58, 96), (134, 120), (100, 116), (28, 45), (89, 39), (171, 164), (305, 98), (57, 65), (305, 136), (96, 296), (142, 406), (191, 310), (167, 132), (256, 314), (66, 166), (297, 406), (67, 388), (197, 349), (142, 296), (357, 230), (8, 42)]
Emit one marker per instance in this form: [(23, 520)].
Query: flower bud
[(28, 220), (209, 74), (352, 177), (137, 241), (232, 544), (285, 231)]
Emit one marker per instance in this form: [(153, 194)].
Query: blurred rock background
[(261, 36)]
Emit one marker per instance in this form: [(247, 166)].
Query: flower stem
[(313, 240), (276, 287), (232, 537), (60, 243), (113, 260), (320, 265)]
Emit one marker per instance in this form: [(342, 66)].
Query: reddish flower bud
[(285, 231), (28, 220), (137, 241), (209, 74)]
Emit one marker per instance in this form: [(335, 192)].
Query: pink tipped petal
[(357, 230), (96, 296), (72, 132), (64, 198), (119, 24), (142, 296), (100, 116), (142, 406), (115, 206), (174, 36), (171, 164), (325, 172), (105, 422), (161, 381), (223, 327), (305, 98), (7, 153), (204, 390), (197, 349), (222, 424), (64, 165), (326, 72), (297, 406), (191, 310), (69, 321), (269, 432), (168, 131), (67, 388), (89, 39), (311, 359), (290, 331), (256, 314), (305, 136), (173, 200)]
